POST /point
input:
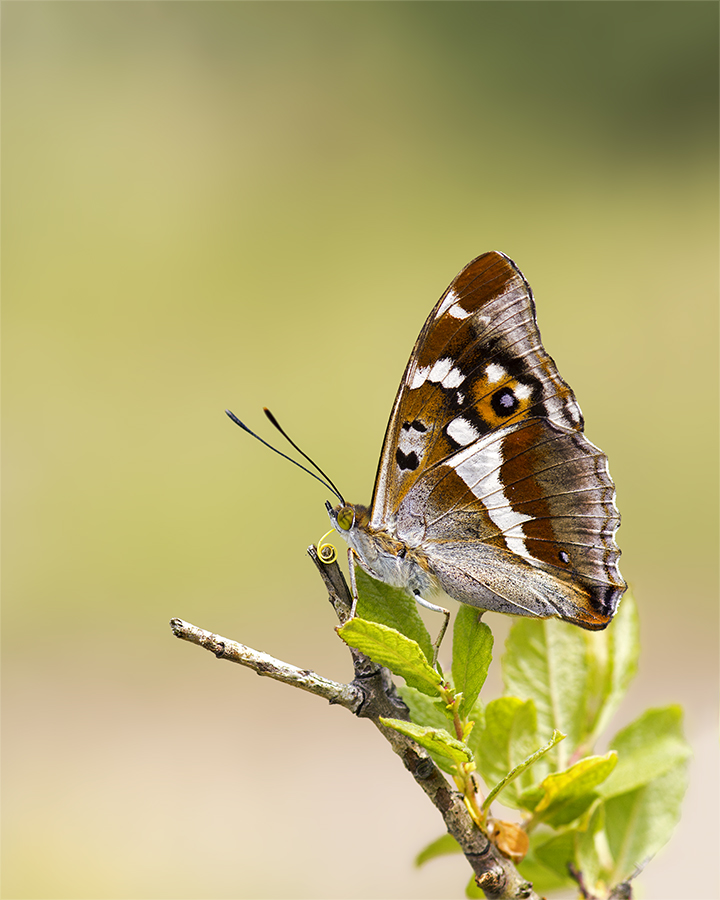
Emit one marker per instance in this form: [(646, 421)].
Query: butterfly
[(487, 488)]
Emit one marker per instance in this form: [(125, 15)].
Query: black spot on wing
[(609, 599), (407, 461), (416, 425), (504, 402)]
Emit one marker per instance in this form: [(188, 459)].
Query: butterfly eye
[(346, 518)]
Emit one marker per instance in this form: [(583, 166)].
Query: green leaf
[(491, 744), (424, 710), (524, 745), (592, 854), (640, 822), (391, 606), (442, 846), (569, 793), (522, 767), (530, 797), (395, 651), (477, 716), (647, 748), (616, 651), (546, 661), (545, 866), (436, 740), (653, 769), (471, 655), (508, 737)]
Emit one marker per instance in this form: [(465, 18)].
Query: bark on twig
[(341, 694), (372, 695)]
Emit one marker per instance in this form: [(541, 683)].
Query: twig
[(341, 694), (372, 695)]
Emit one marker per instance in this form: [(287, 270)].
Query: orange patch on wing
[(482, 392)]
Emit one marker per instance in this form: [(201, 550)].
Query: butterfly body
[(487, 488), (385, 556)]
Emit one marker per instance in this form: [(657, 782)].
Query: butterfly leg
[(353, 583), (446, 614)]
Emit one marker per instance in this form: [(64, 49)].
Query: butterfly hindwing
[(533, 497)]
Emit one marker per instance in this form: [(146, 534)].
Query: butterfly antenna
[(328, 483)]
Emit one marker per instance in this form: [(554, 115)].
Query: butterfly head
[(352, 524), (346, 517)]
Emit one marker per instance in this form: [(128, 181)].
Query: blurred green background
[(210, 205)]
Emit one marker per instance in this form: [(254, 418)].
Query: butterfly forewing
[(478, 365)]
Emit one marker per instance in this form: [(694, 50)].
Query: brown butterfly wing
[(484, 465)]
